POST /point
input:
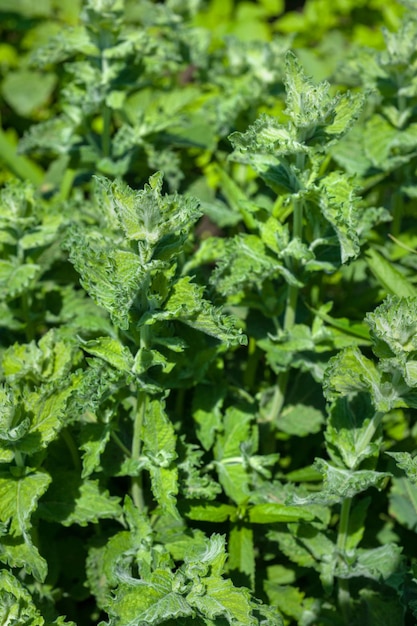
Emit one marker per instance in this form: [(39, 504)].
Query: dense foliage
[(208, 313)]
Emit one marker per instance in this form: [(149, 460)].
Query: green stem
[(105, 137), (19, 458), (344, 598), (73, 450), (120, 444), (66, 184), (289, 321), (397, 212), (21, 166), (29, 329), (137, 488)]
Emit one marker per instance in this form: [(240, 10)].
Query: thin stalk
[(29, 329), (344, 598), (66, 184), (137, 488), (120, 444), (397, 212), (289, 321), (21, 166), (106, 137), (19, 458), (72, 448)]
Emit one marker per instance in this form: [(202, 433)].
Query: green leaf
[(111, 351), (406, 462), (391, 279), (152, 602), (16, 278), (394, 327), (271, 513), (207, 403), (50, 361), (94, 439), (319, 116), (206, 512), (27, 90), (112, 277), (244, 262), (357, 523), (70, 500), (242, 553), (340, 206), (351, 421), (339, 484), (147, 215), (186, 303), (19, 496), (16, 604), (230, 466), (300, 420), (379, 564), (159, 445), (384, 609), (351, 372), (290, 600), (403, 502)]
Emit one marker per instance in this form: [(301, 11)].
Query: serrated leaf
[(340, 206), (378, 563), (16, 604), (150, 603), (339, 484), (244, 262), (312, 108), (70, 500), (147, 215), (186, 303), (406, 462), (21, 552), (347, 434), (94, 439), (350, 372), (42, 419), (232, 472), (19, 497), (393, 327), (111, 276), (111, 351), (14, 278), (159, 445)]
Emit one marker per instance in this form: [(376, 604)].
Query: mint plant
[(207, 326)]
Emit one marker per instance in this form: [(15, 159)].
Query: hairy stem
[(72, 448), (343, 584), (106, 137), (289, 321), (26, 312), (137, 488)]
